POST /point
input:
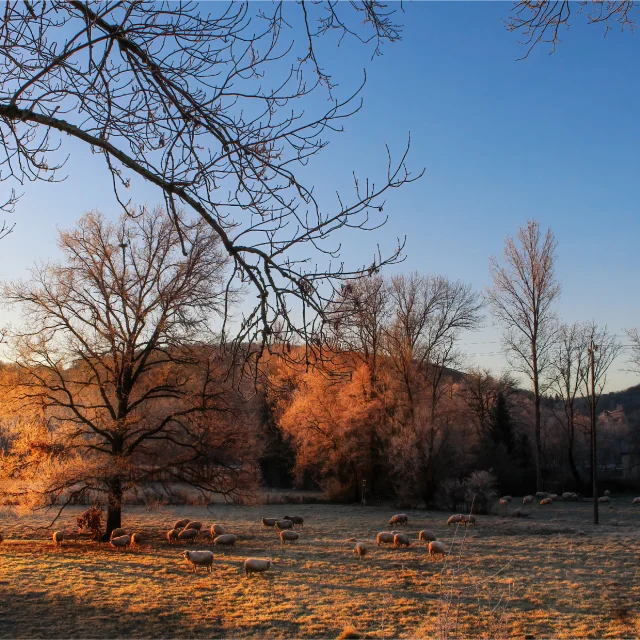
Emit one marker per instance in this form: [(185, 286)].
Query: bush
[(451, 495), (480, 491), (91, 520)]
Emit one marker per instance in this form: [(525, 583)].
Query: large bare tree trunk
[(114, 507)]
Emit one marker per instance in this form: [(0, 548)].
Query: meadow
[(552, 574)]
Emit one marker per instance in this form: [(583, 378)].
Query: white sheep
[(256, 565), (457, 519), (541, 494), (385, 537), (607, 493), (567, 495), (437, 548), (199, 559), (426, 536), (553, 496), (121, 542), (226, 540), (188, 534), (58, 537), (269, 522), (546, 501), (136, 539), (116, 533), (506, 498), (400, 518), (172, 535), (288, 536), (217, 530), (360, 550), (636, 501), (284, 524), (401, 540), (527, 499), (194, 525), (181, 524), (604, 499), (299, 520)]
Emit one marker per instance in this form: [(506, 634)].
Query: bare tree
[(634, 336), (570, 369), (114, 356), (543, 22), (524, 290), (212, 104)]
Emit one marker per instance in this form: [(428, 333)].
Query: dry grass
[(553, 574)]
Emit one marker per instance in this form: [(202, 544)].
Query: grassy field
[(553, 574)]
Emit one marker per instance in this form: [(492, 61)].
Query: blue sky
[(553, 137)]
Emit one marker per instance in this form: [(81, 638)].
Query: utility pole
[(594, 457)]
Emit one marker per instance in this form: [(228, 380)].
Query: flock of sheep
[(549, 498)]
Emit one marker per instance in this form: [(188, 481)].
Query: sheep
[(436, 547), (217, 530), (636, 501), (188, 534), (58, 537), (604, 499), (507, 499), (199, 559), (457, 519), (541, 494), (567, 495), (256, 565), (226, 540), (269, 522), (172, 535), (299, 520), (470, 519), (426, 536), (136, 539), (288, 536), (527, 499), (360, 550), (400, 518), (181, 524), (284, 524), (194, 525), (116, 533), (607, 493), (385, 537), (121, 542), (553, 496), (504, 503), (546, 501), (401, 540)]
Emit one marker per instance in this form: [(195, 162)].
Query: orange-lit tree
[(116, 364)]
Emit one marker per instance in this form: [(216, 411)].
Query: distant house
[(630, 465)]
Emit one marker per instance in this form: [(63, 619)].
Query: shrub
[(480, 491), (91, 520)]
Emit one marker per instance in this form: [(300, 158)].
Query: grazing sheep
[(546, 501), (503, 502), (457, 519), (172, 535), (604, 499), (269, 522), (217, 530), (437, 548), (136, 539), (181, 524), (567, 495), (553, 496), (188, 534), (58, 537), (199, 559), (226, 540), (401, 540), (288, 536), (470, 519), (527, 499), (284, 524), (121, 542), (607, 493), (116, 533), (194, 525), (507, 499), (256, 565), (636, 501), (299, 520), (426, 536), (541, 494), (360, 550), (385, 537), (400, 518)]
